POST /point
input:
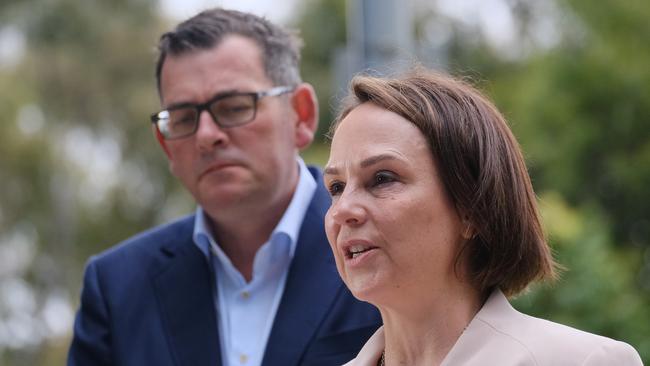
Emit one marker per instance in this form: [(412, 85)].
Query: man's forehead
[(233, 65)]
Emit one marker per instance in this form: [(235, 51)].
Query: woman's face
[(392, 227)]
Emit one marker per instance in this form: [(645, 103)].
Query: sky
[(279, 11), (493, 17)]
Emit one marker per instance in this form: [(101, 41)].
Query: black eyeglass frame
[(273, 92)]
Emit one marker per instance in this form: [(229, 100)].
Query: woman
[(434, 221)]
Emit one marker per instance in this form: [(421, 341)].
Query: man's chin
[(223, 195)]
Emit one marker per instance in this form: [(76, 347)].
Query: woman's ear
[(469, 232), (305, 105)]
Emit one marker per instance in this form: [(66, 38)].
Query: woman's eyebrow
[(376, 159), (333, 170), (330, 170)]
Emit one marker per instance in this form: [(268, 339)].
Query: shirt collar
[(289, 224)]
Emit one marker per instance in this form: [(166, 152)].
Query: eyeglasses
[(227, 110)]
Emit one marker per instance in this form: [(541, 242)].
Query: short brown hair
[(280, 47), (482, 169)]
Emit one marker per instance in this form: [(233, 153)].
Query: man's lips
[(215, 167)]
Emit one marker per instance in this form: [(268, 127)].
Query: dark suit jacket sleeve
[(91, 341), (147, 301)]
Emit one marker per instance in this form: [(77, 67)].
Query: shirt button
[(245, 295), (243, 358)]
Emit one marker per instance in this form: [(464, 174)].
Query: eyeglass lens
[(227, 112)]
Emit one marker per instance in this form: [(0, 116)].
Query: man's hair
[(482, 169), (280, 47)]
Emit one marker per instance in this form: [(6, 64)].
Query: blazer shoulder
[(614, 353), (550, 343), (147, 243)]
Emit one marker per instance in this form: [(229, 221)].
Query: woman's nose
[(348, 210)]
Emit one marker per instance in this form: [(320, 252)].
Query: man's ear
[(305, 105), (162, 142)]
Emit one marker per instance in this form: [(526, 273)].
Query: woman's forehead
[(369, 131)]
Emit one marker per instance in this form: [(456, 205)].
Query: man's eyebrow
[(331, 170), (220, 94), (179, 105)]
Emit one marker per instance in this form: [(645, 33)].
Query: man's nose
[(208, 132)]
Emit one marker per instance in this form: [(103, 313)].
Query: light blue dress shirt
[(246, 310)]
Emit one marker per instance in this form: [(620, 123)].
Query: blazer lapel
[(308, 294), (184, 290)]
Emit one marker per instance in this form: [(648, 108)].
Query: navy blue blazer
[(149, 301)]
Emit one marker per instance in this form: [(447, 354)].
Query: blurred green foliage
[(580, 110), (322, 26), (80, 171), (599, 290), (588, 99)]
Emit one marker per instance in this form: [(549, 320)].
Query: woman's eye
[(383, 177), (336, 188)]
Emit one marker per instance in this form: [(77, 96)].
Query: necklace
[(382, 361)]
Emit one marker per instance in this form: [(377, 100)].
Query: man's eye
[(336, 188), (182, 116), (235, 109)]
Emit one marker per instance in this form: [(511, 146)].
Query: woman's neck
[(423, 329)]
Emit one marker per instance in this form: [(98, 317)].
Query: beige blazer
[(500, 335)]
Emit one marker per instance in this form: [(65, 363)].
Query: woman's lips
[(355, 250)]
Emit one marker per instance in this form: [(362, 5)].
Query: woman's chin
[(369, 290)]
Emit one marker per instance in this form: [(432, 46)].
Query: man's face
[(235, 168)]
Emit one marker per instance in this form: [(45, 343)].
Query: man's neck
[(241, 236)]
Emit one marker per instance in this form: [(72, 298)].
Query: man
[(249, 278)]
